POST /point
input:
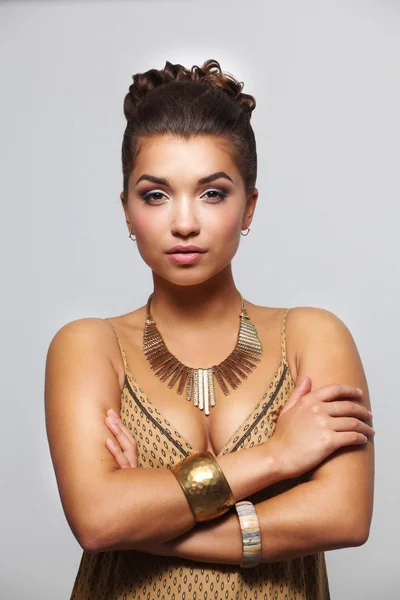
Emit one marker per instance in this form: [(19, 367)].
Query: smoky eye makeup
[(148, 196), (212, 195), (220, 194)]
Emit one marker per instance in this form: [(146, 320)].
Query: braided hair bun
[(209, 73)]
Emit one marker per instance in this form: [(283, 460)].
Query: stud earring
[(132, 236), (247, 233)]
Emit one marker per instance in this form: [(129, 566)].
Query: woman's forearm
[(303, 520), (253, 469), (142, 506), (218, 541)]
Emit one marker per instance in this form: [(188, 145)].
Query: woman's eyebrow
[(207, 179)]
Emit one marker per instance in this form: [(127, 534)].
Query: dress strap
[(120, 345), (283, 335)]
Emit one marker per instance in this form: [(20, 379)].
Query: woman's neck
[(208, 304)]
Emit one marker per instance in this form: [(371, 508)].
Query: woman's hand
[(312, 425), (125, 451)]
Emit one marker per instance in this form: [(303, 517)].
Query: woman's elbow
[(89, 538), (92, 541), (361, 534), (89, 532), (105, 531), (356, 532)]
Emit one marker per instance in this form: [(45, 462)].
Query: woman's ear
[(125, 207), (250, 208)]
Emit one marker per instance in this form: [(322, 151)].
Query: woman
[(162, 420)]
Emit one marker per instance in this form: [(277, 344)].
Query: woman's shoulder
[(301, 330), (98, 326), (317, 334), (90, 329), (79, 338), (314, 313), (99, 337), (305, 327), (298, 317), (308, 320)]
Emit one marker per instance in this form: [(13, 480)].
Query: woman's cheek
[(150, 252), (149, 233), (229, 233)]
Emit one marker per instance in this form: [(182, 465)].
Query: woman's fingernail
[(110, 443), (114, 413), (111, 421)]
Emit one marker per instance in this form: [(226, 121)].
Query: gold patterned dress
[(130, 574)]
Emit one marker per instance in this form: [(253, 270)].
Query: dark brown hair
[(186, 103)]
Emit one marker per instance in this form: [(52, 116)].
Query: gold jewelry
[(251, 534), (132, 236), (205, 486), (200, 382), (247, 233)]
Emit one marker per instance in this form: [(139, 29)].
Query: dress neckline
[(276, 376)]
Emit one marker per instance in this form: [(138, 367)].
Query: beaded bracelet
[(251, 534), (205, 486)]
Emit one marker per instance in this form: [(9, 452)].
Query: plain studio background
[(326, 79)]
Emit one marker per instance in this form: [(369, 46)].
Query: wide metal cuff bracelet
[(205, 486), (251, 534)]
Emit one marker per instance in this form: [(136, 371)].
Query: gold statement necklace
[(200, 382)]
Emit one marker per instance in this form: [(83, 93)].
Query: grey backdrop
[(326, 79)]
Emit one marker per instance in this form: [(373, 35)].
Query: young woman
[(205, 446)]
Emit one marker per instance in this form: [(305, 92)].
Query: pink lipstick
[(185, 254)]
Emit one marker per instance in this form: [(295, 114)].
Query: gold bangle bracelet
[(205, 486)]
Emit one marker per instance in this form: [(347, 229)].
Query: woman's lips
[(185, 258)]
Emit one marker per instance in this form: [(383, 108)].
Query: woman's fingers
[(334, 391), (347, 408), (126, 431), (122, 460), (302, 388), (331, 394), (126, 451), (349, 438), (352, 424)]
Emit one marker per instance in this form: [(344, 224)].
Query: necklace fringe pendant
[(200, 382)]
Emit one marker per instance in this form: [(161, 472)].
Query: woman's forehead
[(198, 157)]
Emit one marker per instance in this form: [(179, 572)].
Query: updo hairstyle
[(186, 103)]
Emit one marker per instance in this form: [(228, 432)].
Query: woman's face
[(169, 208)]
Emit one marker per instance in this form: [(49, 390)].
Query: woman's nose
[(184, 218)]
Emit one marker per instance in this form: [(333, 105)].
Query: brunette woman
[(205, 446)]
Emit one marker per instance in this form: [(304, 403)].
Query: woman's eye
[(157, 197), (153, 197), (220, 195)]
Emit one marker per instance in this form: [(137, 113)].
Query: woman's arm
[(334, 508), (107, 507)]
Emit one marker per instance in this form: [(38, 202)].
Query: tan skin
[(322, 428)]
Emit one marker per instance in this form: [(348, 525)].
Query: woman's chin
[(188, 276)]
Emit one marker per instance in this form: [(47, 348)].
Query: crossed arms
[(106, 509)]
